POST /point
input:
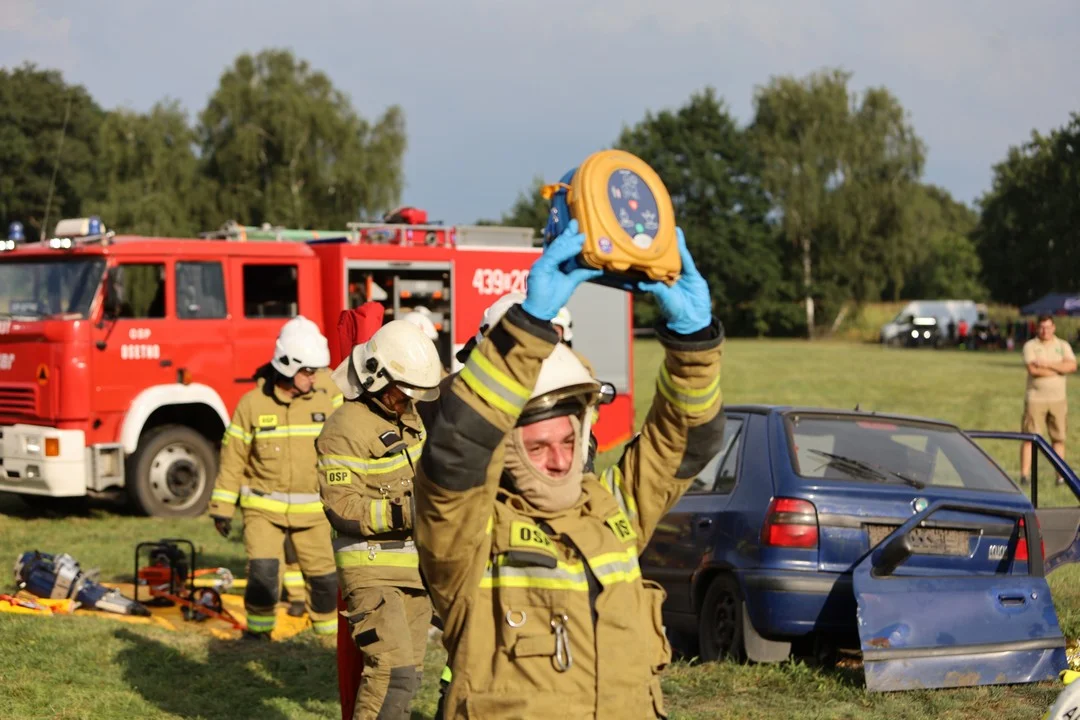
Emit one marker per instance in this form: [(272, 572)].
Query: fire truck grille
[(17, 400)]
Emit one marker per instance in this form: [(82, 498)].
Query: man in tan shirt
[(1048, 359)]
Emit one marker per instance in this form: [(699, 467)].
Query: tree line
[(814, 207)]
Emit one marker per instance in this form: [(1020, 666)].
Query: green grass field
[(89, 668)]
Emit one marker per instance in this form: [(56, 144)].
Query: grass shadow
[(236, 679), (33, 507)]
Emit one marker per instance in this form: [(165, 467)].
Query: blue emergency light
[(15, 232)]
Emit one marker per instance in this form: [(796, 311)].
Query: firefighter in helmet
[(367, 455), (268, 469), (532, 562)]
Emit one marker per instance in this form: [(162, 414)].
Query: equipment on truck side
[(170, 578)]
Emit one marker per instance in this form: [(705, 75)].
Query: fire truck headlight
[(34, 445), (7, 245)]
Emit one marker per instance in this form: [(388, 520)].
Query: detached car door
[(921, 629), (1054, 490)]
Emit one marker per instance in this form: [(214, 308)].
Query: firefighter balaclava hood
[(564, 389)]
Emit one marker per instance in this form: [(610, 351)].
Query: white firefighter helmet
[(566, 322), (398, 353), (564, 387), (423, 322), (496, 310), (300, 344)]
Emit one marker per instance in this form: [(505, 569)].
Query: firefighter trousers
[(264, 543), (390, 628), (295, 589)]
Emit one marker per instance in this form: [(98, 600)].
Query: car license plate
[(927, 541)]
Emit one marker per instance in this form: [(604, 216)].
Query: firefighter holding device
[(532, 561)]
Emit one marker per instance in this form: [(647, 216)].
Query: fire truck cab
[(123, 357)]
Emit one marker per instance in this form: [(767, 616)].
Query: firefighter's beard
[(542, 491)]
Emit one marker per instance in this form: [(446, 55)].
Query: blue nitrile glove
[(686, 305), (549, 287)]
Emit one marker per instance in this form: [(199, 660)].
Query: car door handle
[(1011, 600), (165, 363), (704, 523)]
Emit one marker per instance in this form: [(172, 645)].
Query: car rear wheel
[(720, 622), (172, 472)]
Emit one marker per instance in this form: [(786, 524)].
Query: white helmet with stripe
[(399, 353), (300, 344)]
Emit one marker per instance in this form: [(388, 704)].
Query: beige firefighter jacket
[(366, 469), (267, 461), (547, 615)]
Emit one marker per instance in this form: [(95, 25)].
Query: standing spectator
[(1048, 359), (962, 332)]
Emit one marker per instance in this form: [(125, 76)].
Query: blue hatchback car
[(899, 536)]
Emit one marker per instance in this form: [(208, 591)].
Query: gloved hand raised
[(549, 287), (223, 526), (686, 305)]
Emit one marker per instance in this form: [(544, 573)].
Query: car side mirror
[(892, 555)]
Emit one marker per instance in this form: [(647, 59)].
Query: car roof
[(766, 409)]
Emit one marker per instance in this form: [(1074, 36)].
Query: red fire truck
[(122, 357)]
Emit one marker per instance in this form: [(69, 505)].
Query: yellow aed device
[(626, 215)]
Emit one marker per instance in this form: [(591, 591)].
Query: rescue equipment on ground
[(170, 577), (27, 604), (60, 577), (626, 215)]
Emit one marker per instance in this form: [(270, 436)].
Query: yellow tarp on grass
[(172, 618)]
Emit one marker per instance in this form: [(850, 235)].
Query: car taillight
[(790, 523), (1022, 545)]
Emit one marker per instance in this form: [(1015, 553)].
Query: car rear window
[(824, 446)]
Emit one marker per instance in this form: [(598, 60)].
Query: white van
[(943, 311)]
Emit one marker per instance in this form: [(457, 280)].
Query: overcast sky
[(497, 91)]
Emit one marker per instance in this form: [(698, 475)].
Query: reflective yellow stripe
[(294, 578), (324, 627), (446, 676), (616, 567), (260, 623), (491, 524), (609, 568), (687, 399), (338, 400), (296, 504), (380, 516), (380, 558), (311, 430), (225, 496), (237, 432), (373, 466), (612, 479), (496, 387)]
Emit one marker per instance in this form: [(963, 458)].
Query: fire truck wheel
[(172, 472)]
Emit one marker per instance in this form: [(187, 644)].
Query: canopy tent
[(1054, 304)]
